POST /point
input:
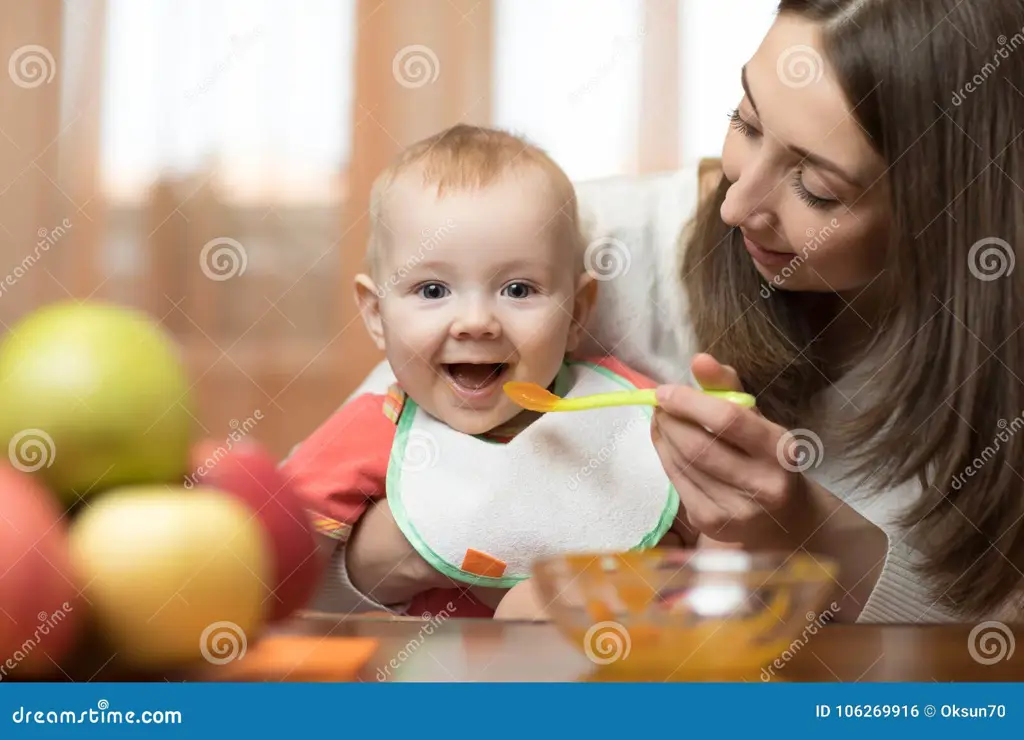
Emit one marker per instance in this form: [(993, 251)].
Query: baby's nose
[(476, 321)]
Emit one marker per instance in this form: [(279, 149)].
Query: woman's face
[(807, 190)]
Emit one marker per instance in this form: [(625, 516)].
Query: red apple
[(39, 604), (249, 472)]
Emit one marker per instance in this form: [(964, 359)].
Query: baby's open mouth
[(475, 376)]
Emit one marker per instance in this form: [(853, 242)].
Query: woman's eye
[(432, 291), (518, 290), (742, 126), (808, 197)]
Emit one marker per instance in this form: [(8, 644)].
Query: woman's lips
[(765, 256)]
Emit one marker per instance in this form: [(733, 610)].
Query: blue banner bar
[(235, 710)]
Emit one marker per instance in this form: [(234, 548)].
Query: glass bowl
[(667, 614)]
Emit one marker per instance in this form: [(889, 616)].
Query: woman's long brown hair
[(947, 404)]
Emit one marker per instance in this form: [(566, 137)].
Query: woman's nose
[(750, 201), (475, 321)]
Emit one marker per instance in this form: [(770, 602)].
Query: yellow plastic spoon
[(533, 397)]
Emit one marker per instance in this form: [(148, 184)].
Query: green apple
[(173, 575), (93, 396)]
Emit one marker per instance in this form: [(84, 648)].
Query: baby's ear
[(368, 297), (583, 305)]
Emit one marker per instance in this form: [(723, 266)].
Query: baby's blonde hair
[(466, 157)]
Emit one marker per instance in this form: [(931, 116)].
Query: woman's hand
[(731, 466), (739, 484)]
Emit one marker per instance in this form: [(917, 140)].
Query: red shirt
[(341, 468)]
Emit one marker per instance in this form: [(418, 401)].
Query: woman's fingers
[(700, 510), (694, 447), (725, 420), (713, 375)]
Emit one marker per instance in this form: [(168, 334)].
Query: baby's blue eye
[(432, 291), (518, 290)]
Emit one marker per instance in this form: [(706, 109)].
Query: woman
[(855, 267), (854, 270)]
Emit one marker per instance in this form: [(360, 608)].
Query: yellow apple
[(173, 575), (93, 396)]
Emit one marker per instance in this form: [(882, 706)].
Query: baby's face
[(475, 290)]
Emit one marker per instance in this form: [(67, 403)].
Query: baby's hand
[(383, 564)]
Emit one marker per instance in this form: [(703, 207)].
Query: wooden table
[(326, 647), (483, 650)]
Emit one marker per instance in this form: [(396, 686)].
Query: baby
[(476, 277)]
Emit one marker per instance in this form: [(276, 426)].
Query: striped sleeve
[(342, 466)]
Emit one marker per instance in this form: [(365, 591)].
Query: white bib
[(578, 481)]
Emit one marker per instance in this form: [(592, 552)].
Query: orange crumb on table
[(300, 659)]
